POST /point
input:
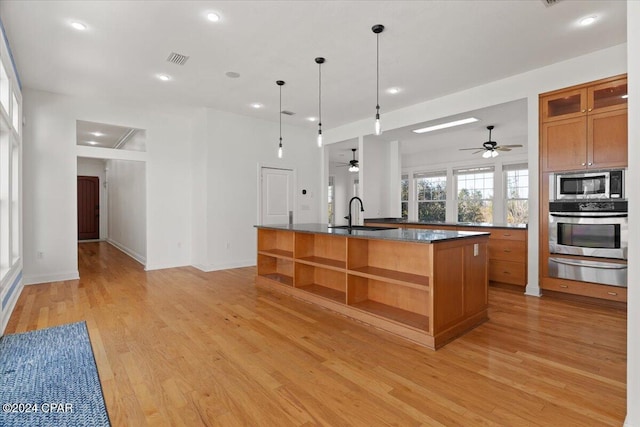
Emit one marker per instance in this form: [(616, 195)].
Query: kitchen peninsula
[(428, 286)]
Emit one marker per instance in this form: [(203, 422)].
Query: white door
[(276, 196)]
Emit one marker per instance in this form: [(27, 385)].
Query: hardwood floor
[(187, 348)]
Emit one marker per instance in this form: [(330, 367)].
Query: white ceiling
[(428, 49)]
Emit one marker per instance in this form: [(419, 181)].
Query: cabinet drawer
[(508, 250), (612, 293), (507, 272), (505, 234)]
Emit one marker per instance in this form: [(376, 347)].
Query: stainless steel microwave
[(603, 184)]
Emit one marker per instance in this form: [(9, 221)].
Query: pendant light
[(377, 29), (319, 61), (280, 83)]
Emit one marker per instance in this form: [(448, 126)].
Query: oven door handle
[(603, 215), (609, 266)]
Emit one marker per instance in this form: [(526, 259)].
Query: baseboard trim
[(533, 291), (142, 260), (49, 278), (226, 266)]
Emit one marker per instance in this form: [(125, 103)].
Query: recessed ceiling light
[(446, 125), (92, 142), (393, 90), (97, 133), (79, 26), (588, 20), (213, 17), (164, 77), (312, 119), (257, 105)]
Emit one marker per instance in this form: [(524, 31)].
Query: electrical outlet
[(476, 249), (39, 255), (228, 245)]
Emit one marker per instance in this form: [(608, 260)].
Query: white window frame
[(474, 171), (431, 174), (505, 172)]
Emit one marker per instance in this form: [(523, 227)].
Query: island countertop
[(406, 222), (398, 234)]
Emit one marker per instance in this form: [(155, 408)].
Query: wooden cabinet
[(507, 250), (425, 292), (584, 127), (581, 127)]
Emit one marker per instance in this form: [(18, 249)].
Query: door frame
[(259, 188)]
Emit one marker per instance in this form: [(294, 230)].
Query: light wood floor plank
[(181, 347)]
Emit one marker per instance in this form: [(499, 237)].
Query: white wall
[(127, 207), (594, 66), (235, 146), (375, 160), (50, 180), (95, 167), (633, 295)]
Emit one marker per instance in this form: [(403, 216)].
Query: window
[(15, 113), (517, 188), (5, 239), (404, 196), (332, 200), (431, 197), (4, 88), (475, 194)]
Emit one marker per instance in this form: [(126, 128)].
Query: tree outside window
[(517, 187), (432, 196), (404, 196), (475, 195)]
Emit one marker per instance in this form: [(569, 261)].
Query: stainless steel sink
[(362, 227)]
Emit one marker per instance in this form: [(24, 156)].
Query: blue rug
[(49, 378)]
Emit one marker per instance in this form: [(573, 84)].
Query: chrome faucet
[(348, 217)]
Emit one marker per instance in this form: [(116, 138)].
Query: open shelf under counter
[(325, 292), (397, 277), (405, 317), (278, 253), (323, 262)]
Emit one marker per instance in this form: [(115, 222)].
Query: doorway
[(276, 196), (88, 208)]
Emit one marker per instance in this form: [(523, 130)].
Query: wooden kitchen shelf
[(405, 279), (325, 292), (404, 317), (323, 262), (278, 253), (281, 278)]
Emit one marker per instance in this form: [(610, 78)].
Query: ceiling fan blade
[(503, 148), (512, 146), (479, 151), (462, 149)]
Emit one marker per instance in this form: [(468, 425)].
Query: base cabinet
[(428, 293)]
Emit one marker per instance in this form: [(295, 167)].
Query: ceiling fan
[(353, 164), (491, 148)]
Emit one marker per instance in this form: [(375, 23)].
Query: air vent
[(177, 58), (550, 2), (288, 113)]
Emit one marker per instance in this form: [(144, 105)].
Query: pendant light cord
[(377, 71), (280, 114), (320, 95)]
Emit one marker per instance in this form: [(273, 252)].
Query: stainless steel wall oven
[(589, 228)]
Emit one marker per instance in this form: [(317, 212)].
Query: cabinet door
[(564, 145), (564, 105), (607, 139), (609, 96)]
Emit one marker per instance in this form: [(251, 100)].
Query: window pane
[(432, 211), (4, 88), (517, 211), (404, 206), (475, 197), (517, 196)]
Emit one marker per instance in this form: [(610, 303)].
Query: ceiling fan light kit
[(353, 164), (490, 148)]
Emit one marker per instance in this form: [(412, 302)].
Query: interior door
[(276, 196), (88, 208)]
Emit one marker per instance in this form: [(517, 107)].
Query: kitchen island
[(428, 286)]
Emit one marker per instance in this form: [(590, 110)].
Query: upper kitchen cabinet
[(584, 127)]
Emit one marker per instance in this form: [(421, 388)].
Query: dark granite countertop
[(455, 224), (400, 234)]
